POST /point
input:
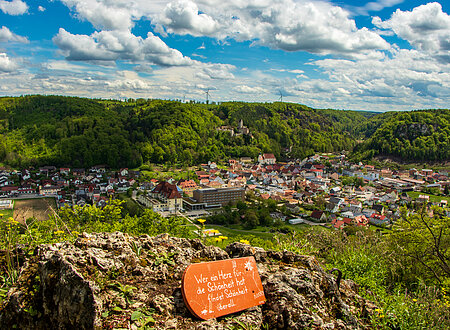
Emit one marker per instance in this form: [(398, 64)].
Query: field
[(33, 208), (433, 198)]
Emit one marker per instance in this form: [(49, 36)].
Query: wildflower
[(59, 232), (218, 239), (244, 241), (223, 237), (75, 233), (201, 220), (12, 221), (414, 300)]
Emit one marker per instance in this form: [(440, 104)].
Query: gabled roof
[(317, 214), (168, 190), (268, 156)]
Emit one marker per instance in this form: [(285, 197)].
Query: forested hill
[(416, 135), (37, 130)]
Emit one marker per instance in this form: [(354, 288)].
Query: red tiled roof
[(168, 190)]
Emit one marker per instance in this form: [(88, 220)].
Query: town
[(324, 189)]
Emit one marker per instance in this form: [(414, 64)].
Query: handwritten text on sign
[(213, 289)]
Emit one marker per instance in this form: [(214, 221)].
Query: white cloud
[(426, 28), (215, 71), (250, 90), (7, 64), (183, 17), (316, 27), (292, 25), (129, 80), (7, 35), (109, 46), (297, 71), (14, 7), (404, 77), (41, 9), (375, 6), (107, 15)]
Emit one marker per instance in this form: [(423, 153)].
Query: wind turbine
[(207, 96), (281, 96)]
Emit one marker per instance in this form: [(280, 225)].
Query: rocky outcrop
[(113, 280)]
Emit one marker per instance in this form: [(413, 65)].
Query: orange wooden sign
[(217, 288)]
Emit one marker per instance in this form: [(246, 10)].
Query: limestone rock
[(113, 280)]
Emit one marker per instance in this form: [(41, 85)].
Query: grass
[(433, 198), (5, 214), (38, 208), (232, 232)]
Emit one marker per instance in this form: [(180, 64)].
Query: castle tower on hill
[(241, 129)]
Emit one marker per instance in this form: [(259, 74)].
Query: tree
[(251, 219), (423, 239)]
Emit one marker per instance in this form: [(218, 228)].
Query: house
[(4, 181), (45, 170), (98, 169), (379, 208), (337, 223), (25, 175), (360, 220), (9, 191), (64, 171), (332, 207), (318, 216), (378, 219), (426, 172), (26, 190), (187, 186), (6, 204), (268, 159), (245, 160), (169, 197), (78, 172), (334, 176), (368, 212), (49, 190)]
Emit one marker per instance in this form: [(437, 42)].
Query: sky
[(343, 54)]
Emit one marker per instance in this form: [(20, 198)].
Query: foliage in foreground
[(408, 293)]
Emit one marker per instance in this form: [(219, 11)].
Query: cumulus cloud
[(316, 27), (406, 75), (183, 17), (103, 14), (7, 35), (244, 89), (215, 71), (426, 28), (14, 7), (7, 64), (129, 80), (41, 9), (109, 46), (291, 25)]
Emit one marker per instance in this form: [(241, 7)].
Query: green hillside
[(416, 135), (79, 132)]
